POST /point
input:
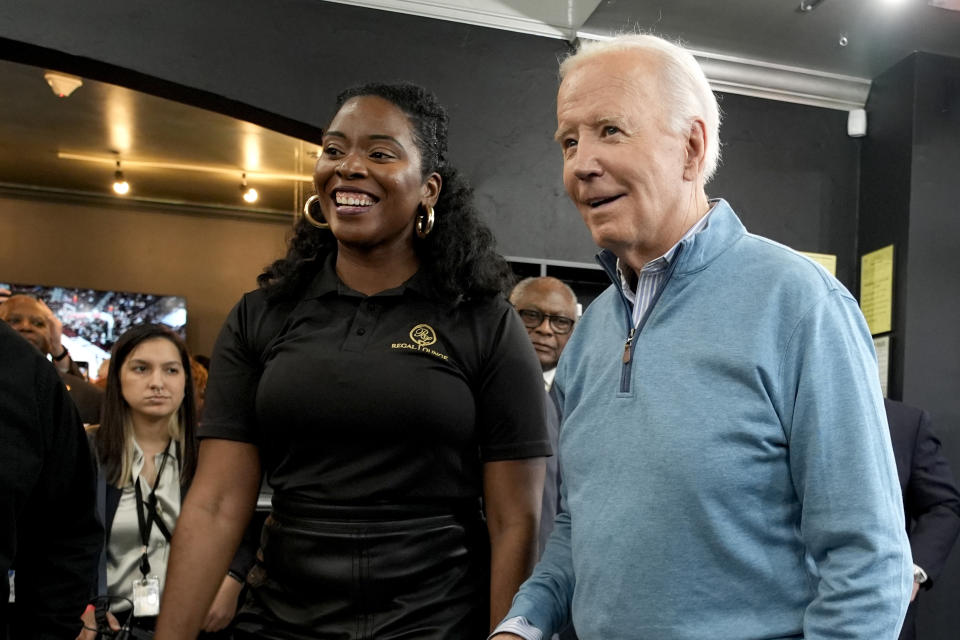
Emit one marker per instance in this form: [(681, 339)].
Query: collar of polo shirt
[(327, 282)]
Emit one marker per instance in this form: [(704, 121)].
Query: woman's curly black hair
[(457, 255)]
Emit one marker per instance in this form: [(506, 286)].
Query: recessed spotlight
[(249, 193), (120, 185)]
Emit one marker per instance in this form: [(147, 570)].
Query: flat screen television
[(93, 319)]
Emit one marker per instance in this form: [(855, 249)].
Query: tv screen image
[(93, 319)]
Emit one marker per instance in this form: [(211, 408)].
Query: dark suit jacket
[(551, 483), (931, 501)]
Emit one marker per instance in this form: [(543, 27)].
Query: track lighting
[(120, 186), (249, 193)]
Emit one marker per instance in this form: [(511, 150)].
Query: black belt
[(299, 507)]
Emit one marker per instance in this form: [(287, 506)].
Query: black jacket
[(931, 501), (108, 499), (49, 531)]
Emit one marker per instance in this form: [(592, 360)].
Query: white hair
[(520, 288), (683, 82)]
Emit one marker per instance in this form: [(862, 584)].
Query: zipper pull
[(626, 347)]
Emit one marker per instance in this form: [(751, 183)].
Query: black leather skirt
[(384, 572)]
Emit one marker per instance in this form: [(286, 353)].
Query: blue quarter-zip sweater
[(734, 479)]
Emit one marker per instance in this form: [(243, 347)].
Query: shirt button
[(361, 331)]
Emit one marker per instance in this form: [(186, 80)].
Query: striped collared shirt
[(652, 275)]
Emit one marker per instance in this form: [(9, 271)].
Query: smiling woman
[(385, 386), (370, 184), (456, 248)]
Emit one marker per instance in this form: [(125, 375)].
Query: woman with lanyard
[(146, 452)]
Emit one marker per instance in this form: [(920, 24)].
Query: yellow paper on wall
[(826, 260), (876, 289)]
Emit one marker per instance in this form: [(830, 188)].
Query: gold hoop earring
[(425, 222), (306, 213)]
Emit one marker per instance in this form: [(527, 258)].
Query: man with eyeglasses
[(548, 308)]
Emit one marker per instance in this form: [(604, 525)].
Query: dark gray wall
[(790, 170), (931, 372), (791, 173), (885, 192), (910, 194)]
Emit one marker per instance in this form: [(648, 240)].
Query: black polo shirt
[(395, 397)]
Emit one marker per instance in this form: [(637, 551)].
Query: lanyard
[(145, 522)]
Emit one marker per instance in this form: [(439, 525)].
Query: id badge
[(146, 597)]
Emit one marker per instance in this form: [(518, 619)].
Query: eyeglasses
[(532, 319)]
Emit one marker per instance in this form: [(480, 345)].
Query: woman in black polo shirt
[(383, 383)]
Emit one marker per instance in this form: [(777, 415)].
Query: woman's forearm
[(203, 545), (212, 519), (513, 553), (512, 492)]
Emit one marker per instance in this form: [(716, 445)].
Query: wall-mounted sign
[(826, 260), (876, 289)]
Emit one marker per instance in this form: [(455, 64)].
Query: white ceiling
[(550, 18)]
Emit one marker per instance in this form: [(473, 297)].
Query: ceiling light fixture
[(183, 166), (120, 186), (806, 6), (249, 193), (62, 84)]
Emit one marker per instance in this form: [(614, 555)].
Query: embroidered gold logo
[(423, 335)]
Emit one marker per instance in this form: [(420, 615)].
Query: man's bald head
[(549, 297), (29, 318)]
